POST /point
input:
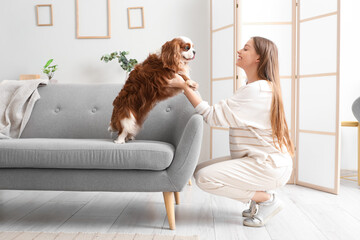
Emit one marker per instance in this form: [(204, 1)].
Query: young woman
[(260, 145)]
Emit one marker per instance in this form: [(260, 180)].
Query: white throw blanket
[(17, 99)]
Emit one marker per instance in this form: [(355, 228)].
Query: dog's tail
[(111, 129)]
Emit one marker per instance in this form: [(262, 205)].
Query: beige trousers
[(240, 178)]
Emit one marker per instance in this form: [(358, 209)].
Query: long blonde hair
[(268, 69)]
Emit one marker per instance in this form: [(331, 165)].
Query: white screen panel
[(311, 8), (222, 13), (286, 95), (317, 104), (93, 18), (318, 44), (223, 53), (222, 90), (280, 35), (317, 154), (266, 10), (220, 143)]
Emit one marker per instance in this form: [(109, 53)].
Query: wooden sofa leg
[(177, 198), (169, 205), (190, 182)]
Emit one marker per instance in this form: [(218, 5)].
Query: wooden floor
[(308, 214)]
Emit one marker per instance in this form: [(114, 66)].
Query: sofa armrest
[(187, 152)]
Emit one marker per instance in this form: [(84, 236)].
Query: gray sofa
[(66, 146)]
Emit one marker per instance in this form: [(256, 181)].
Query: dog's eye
[(187, 48)]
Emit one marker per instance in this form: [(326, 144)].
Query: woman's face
[(247, 57)]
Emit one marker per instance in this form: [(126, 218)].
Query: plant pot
[(53, 81)]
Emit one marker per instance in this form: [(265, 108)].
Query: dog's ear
[(170, 55)]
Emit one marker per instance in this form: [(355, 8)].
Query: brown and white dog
[(147, 84)]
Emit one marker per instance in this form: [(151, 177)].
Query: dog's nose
[(194, 52)]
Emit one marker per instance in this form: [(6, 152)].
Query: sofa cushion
[(85, 154)]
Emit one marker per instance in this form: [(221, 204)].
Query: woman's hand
[(192, 84), (179, 82)]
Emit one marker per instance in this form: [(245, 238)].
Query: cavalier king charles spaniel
[(148, 84)]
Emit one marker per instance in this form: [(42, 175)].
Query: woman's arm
[(194, 98), (218, 115)]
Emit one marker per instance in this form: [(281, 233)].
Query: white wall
[(25, 47), (349, 78)]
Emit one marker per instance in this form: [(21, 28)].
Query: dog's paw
[(119, 141), (184, 76)]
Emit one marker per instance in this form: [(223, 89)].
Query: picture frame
[(89, 21), (136, 17), (41, 13)]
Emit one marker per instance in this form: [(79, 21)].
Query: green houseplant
[(126, 64), (49, 70)]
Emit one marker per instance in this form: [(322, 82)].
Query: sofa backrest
[(84, 111)]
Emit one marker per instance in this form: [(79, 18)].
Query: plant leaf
[(48, 63)]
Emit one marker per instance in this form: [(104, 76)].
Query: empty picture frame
[(136, 17), (44, 15), (93, 19)]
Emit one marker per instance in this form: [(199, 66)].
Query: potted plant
[(126, 64), (49, 70)]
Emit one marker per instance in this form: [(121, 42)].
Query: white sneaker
[(266, 211), (253, 208)]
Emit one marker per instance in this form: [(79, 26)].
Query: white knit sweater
[(247, 114)]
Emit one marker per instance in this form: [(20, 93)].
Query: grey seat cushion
[(85, 154)]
